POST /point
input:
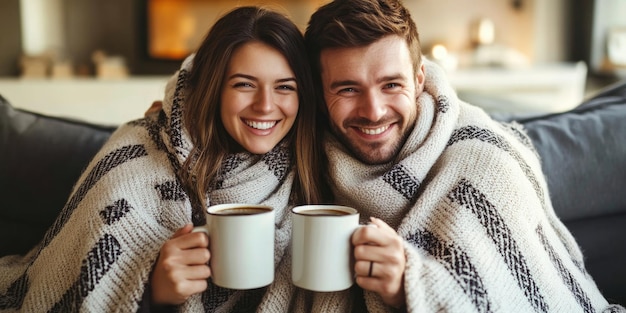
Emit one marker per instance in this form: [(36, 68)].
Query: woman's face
[(259, 97)]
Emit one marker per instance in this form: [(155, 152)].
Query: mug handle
[(365, 225), (200, 229)]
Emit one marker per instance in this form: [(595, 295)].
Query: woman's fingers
[(182, 267), (177, 284), (184, 241), (182, 274), (183, 230)]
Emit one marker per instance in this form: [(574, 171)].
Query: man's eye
[(347, 90), (392, 85)]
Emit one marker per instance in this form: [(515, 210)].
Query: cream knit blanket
[(98, 254), (466, 193), (469, 198)]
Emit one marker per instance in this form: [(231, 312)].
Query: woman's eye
[(286, 87), (242, 84)]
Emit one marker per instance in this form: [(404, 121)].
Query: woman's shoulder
[(135, 139)]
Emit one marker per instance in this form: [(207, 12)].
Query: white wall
[(607, 14), (42, 26), (449, 22)]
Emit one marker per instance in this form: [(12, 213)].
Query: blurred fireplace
[(175, 28)]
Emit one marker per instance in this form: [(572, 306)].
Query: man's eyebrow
[(391, 77), (347, 82), (342, 83)]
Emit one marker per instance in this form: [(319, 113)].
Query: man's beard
[(365, 155)]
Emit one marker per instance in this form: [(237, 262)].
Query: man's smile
[(373, 131)]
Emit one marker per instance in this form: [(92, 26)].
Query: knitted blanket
[(466, 193), (98, 254), (468, 196)]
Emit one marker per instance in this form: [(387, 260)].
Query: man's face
[(370, 95)]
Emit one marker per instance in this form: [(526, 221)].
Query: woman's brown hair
[(206, 78)]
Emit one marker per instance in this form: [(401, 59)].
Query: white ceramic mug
[(241, 242), (321, 247)]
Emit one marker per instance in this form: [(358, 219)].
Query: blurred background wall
[(541, 30)]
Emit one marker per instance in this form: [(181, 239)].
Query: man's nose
[(372, 106)]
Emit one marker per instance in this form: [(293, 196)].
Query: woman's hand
[(155, 107), (380, 262), (181, 269)]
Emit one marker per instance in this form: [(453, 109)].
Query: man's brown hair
[(357, 23)]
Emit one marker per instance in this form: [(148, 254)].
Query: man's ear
[(420, 78)]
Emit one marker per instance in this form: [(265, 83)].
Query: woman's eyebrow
[(288, 79), (239, 75)]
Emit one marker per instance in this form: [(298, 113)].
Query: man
[(464, 219)]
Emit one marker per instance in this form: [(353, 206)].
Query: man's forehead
[(387, 57)]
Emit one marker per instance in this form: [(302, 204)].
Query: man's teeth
[(261, 125), (374, 131)]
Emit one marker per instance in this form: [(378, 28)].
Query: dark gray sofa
[(583, 153)]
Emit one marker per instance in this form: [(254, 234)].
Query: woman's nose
[(264, 100)]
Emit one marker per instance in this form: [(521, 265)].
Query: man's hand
[(181, 269), (380, 262)]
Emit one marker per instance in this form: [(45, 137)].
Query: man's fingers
[(376, 233), (380, 223), (374, 253), (362, 268)]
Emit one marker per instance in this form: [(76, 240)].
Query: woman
[(237, 117), (256, 50)]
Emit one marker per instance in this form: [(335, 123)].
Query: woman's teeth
[(261, 125), (374, 131)]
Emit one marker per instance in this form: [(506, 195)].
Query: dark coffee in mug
[(241, 211), (324, 212)]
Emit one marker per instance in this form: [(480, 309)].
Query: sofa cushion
[(583, 155), (40, 161)]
